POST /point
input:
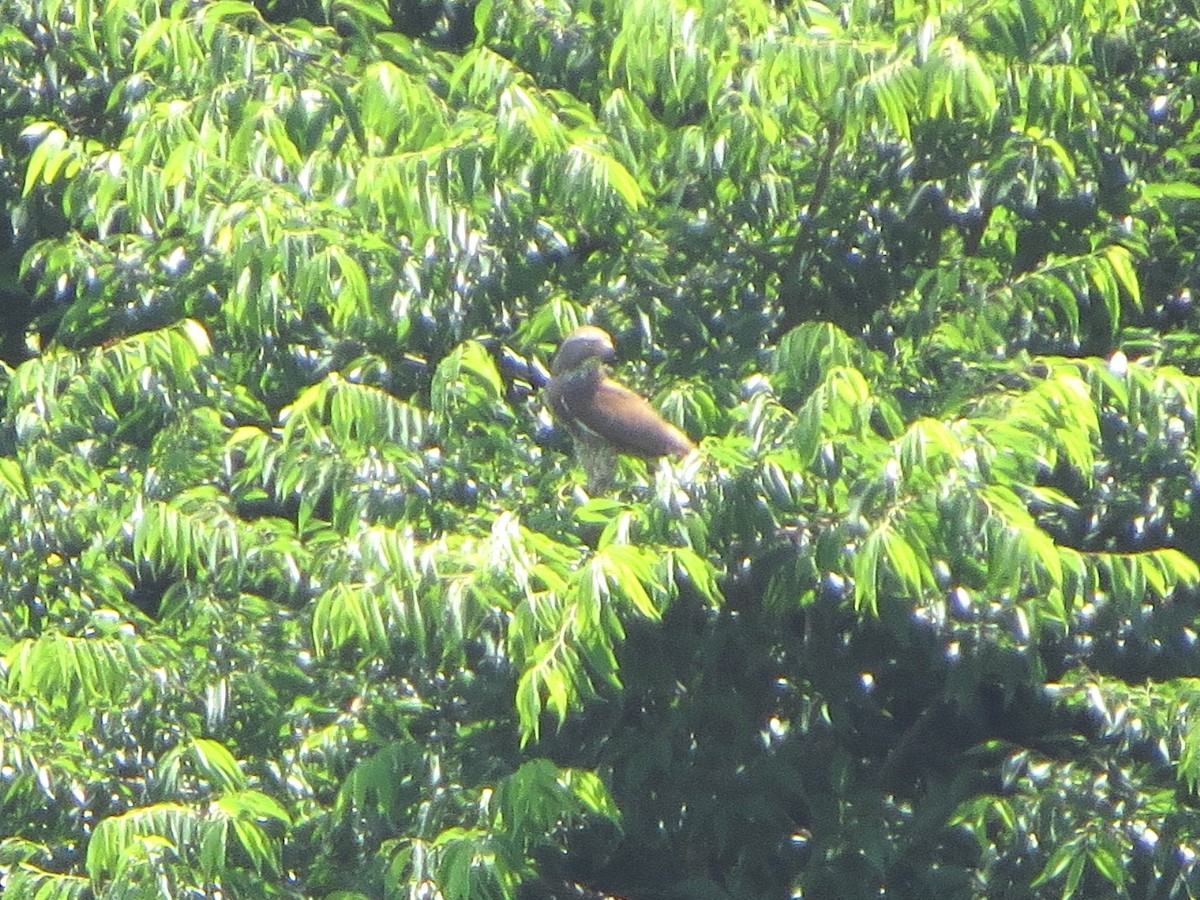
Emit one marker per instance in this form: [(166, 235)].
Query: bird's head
[(581, 345)]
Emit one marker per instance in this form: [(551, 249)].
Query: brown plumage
[(603, 416)]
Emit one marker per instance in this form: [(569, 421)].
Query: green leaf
[(903, 557), (1171, 190), (228, 9), (598, 511), (630, 571), (13, 479), (866, 568), (1121, 261), (467, 380), (1106, 858), (263, 852), (47, 158), (701, 573), (219, 765), (1074, 876), (1064, 857)]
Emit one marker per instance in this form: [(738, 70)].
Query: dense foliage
[(300, 594)]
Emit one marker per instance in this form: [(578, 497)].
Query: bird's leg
[(599, 462)]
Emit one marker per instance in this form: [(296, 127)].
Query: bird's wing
[(621, 417)]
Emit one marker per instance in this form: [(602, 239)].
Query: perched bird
[(604, 417)]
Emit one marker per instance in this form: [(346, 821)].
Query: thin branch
[(792, 267)]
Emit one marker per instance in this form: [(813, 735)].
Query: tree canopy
[(301, 594)]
